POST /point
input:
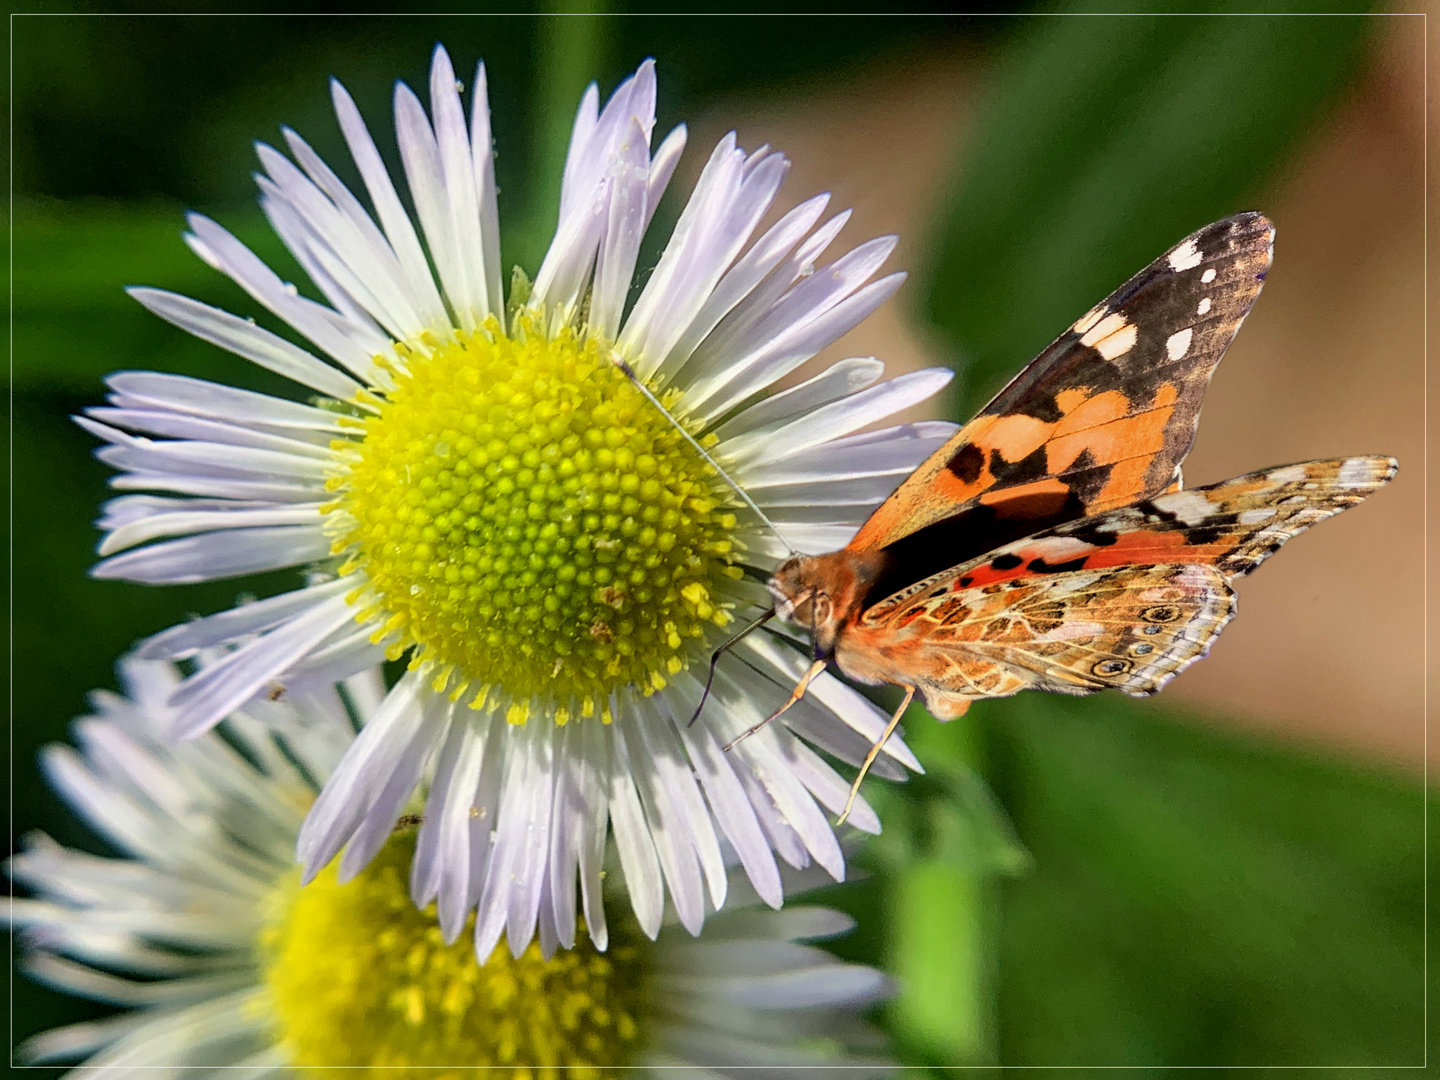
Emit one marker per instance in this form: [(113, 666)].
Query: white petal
[(615, 263), (178, 393), (667, 830), (633, 842), (462, 193), (649, 329), (318, 323), (727, 798), (202, 458), (212, 693), (183, 521), (677, 777), (662, 167), (179, 426), (569, 815), (408, 766), (216, 486), (798, 922), (777, 357), (245, 339), (361, 774), (718, 348), (360, 253), (213, 556), (483, 163), (515, 874), (851, 707), (837, 381), (447, 841), (871, 453), (325, 269), (421, 158), (766, 755), (398, 228), (592, 749), (587, 115), (837, 419)]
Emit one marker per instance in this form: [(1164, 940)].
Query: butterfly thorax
[(824, 593)]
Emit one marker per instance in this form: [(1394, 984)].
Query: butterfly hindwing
[(1125, 599), (1128, 628), (1101, 418), (1234, 525)]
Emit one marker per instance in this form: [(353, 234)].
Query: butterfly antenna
[(715, 659), (629, 372)]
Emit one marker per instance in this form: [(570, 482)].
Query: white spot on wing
[(1191, 507), (1055, 548), (1290, 474), (1193, 576), (1355, 472), (1204, 301), (1112, 337), (1185, 256), (1069, 631), (1118, 343), (1178, 343), (1254, 517), (1102, 329), (1089, 319), (1208, 276)]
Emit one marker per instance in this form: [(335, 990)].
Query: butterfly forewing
[(1101, 418)]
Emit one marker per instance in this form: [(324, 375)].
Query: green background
[(1089, 882)]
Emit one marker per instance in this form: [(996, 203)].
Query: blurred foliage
[(1186, 897), (1103, 141), (1202, 899)]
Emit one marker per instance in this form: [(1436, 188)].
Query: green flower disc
[(531, 524)]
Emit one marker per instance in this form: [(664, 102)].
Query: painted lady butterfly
[(1049, 545)]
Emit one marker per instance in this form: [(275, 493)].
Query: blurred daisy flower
[(479, 487), (201, 931)]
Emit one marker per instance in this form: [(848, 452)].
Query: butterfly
[(1050, 544)]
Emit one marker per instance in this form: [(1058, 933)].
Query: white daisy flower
[(485, 491), (200, 930)]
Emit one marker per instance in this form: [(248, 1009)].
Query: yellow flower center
[(360, 978), (532, 524)]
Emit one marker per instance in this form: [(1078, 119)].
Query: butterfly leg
[(875, 751), (795, 695)]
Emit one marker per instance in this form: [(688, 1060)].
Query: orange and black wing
[(1100, 419), (1124, 599)]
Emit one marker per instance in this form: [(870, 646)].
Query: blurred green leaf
[(946, 815), (1104, 139), (73, 322), (1201, 898), (945, 839)]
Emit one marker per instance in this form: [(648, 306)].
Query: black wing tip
[(1248, 229), (1245, 223)]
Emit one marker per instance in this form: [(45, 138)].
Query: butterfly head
[(821, 592)]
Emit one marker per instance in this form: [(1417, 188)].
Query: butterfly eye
[(1161, 613), (1111, 667)]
